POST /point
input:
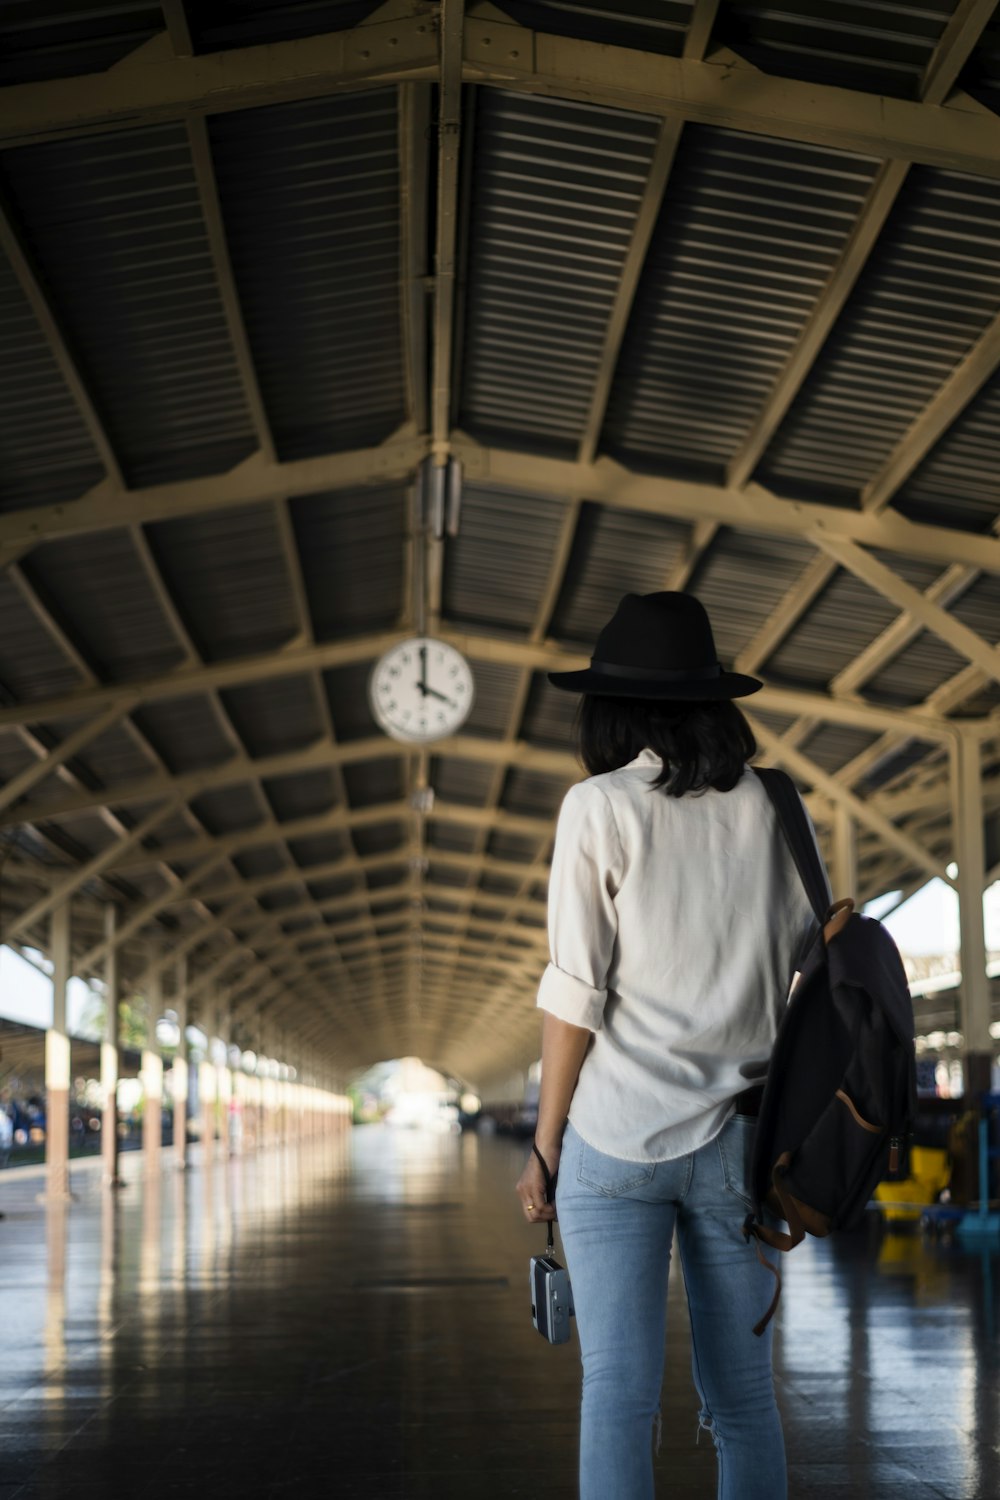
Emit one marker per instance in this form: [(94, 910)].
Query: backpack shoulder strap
[(798, 835)]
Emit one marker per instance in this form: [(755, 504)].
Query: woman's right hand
[(530, 1188)]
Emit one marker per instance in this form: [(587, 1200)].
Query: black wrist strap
[(550, 1192)]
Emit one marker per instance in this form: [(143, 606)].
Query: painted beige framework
[(332, 982)]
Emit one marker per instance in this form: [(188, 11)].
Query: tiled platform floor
[(350, 1320)]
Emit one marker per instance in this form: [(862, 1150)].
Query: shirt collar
[(646, 758)]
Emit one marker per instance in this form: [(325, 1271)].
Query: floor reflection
[(349, 1318)]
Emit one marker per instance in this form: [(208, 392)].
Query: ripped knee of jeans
[(706, 1423)]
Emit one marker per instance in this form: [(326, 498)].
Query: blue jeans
[(617, 1221)]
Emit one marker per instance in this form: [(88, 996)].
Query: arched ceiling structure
[(323, 321)]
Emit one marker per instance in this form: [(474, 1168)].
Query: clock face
[(421, 690)]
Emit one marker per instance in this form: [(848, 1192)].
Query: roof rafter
[(713, 92), (45, 316)]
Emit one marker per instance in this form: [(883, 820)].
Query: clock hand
[(422, 684), (433, 693)]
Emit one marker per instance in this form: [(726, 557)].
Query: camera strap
[(550, 1194)]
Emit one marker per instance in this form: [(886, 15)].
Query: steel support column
[(57, 1063), (974, 994), (179, 1073), (110, 1055), (152, 1080)]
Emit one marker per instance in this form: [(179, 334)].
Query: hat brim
[(726, 685)]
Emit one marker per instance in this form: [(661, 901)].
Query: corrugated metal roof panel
[(351, 546), (647, 25), (58, 39), (881, 46), (748, 235), (347, 693), (956, 485), (300, 795), (512, 846), (497, 568), (496, 690), (615, 552), (915, 673), (532, 793), (318, 849), (268, 860), (310, 198), (31, 664), (229, 808), (377, 880), (742, 579), (114, 221), (279, 713), (928, 292), (381, 838), (556, 190), (229, 579), (375, 781), (185, 732), (452, 836), (834, 745), (462, 781), (46, 454), (448, 875), (15, 756), (114, 757), (217, 25), (549, 716), (97, 584), (845, 618), (896, 763)]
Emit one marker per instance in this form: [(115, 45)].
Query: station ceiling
[(325, 324)]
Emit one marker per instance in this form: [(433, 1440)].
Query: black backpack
[(840, 1094)]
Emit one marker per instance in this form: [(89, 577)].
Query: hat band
[(657, 674)]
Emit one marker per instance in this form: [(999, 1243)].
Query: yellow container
[(929, 1174)]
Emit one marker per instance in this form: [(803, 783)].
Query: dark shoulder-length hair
[(701, 745)]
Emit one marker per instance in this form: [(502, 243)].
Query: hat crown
[(664, 632)]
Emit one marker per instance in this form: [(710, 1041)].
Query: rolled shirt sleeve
[(587, 867)]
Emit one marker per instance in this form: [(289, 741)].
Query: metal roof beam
[(958, 42), (45, 316), (256, 479), (159, 86), (751, 509), (540, 657), (451, 24), (664, 151), (800, 765), (18, 786), (828, 308), (414, 174), (965, 381), (605, 481), (156, 87), (961, 136), (208, 193), (320, 755), (342, 819), (87, 871), (919, 606)]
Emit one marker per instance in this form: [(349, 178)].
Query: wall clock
[(421, 690)]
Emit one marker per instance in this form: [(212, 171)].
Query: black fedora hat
[(657, 646)]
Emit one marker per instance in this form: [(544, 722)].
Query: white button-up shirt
[(675, 924)]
